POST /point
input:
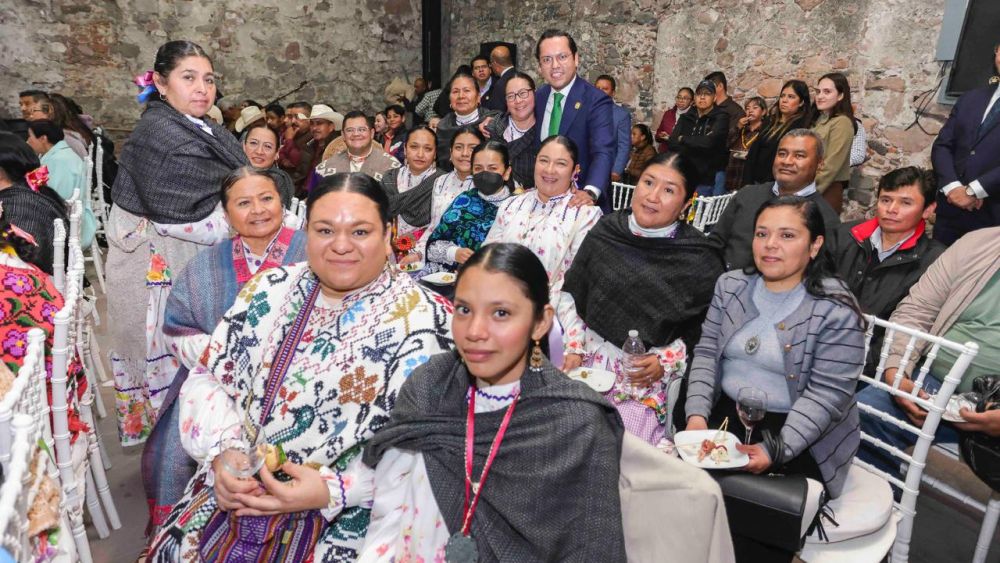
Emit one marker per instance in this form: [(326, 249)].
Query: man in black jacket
[(800, 153), (502, 66), (701, 136), (880, 258)]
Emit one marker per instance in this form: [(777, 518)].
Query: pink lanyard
[(475, 490)]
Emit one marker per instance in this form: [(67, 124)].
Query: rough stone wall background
[(90, 50), (885, 47)]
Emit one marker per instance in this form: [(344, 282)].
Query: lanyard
[(477, 489)]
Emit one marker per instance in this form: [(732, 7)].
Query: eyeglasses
[(548, 60), (683, 98), (254, 145), (353, 130), (520, 94)]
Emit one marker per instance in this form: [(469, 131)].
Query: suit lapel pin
[(577, 106)]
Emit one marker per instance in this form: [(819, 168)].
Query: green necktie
[(556, 116)]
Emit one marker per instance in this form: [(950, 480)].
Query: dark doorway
[(974, 59)]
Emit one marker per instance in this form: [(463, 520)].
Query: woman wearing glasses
[(518, 128)]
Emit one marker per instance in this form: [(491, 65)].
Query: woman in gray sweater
[(788, 327)]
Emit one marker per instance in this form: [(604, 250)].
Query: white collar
[(466, 119), (640, 231), (565, 90), (806, 191)]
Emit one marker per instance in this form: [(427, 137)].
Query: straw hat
[(248, 115)]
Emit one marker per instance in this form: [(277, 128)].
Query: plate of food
[(411, 267), (440, 278), (599, 380), (710, 449)]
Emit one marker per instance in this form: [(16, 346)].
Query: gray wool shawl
[(170, 171), (552, 493)]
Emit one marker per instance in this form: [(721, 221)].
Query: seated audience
[(518, 128), (700, 135), (544, 220), (409, 189), (28, 201), (201, 294), (834, 122), (793, 111), (798, 157), (261, 146), (682, 103), (621, 122), (295, 153), (464, 99), (394, 137), (558, 459), (446, 189), (957, 298), (642, 153), (468, 219), (880, 258), (362, 154), (323, 401), (325, 126), (671, 269), (789, 328), (67, 171), (748, 130)]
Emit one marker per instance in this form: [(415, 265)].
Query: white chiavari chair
[(708, 209), (621, 195), (90, 354), (59, 254), (96, 477), (16, 493), (867, 495)]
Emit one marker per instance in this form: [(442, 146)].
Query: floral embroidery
[(16, 343), (258, 308), (18, 284), (358, 387)]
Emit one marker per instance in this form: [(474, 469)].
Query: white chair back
[(708, 209), (59, 254), (621, 195), (26, 395), (17, 492), (918, 345)]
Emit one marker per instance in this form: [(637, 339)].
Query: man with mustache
[(800, 153)]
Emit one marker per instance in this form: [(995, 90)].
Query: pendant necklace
[(461, 546), (752, 344)]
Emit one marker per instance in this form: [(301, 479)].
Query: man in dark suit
[(966, 158), (570, 106), (502, 66)]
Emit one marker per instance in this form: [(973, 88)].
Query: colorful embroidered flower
[(133, 423), (358, 387), (19, 284), (48, 312), (16, 343)]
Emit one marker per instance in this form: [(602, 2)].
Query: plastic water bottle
[(631, 350)]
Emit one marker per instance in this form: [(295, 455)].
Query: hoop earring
[(535, 363), (162, 99)]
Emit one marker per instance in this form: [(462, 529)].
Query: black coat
[(880, 286), (496, 98), (522, 151), (703, 140)]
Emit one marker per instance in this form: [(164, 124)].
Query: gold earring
[(535, 363)]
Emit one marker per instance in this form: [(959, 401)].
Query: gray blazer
[(824, 346)]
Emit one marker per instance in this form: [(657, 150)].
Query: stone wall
[(348, 50), (886, 48)]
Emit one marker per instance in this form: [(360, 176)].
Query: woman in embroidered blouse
[(201, 294), (557, 454), (790, 328), (671, 271), (469, 218), (543, 220), (170, 170), (364, 329), (409, 188), (446, 189), (464, 99)]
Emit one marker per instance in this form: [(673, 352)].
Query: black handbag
[(767, 508), (981, 452)]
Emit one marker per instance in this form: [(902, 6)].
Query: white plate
[(688, 443), (440, 278), (598, 379), (955, 404)]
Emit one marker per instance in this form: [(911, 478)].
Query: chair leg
[(95, 253), (88, 364), (988, 529), (99, 477), (94, 508), (95, 356)]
